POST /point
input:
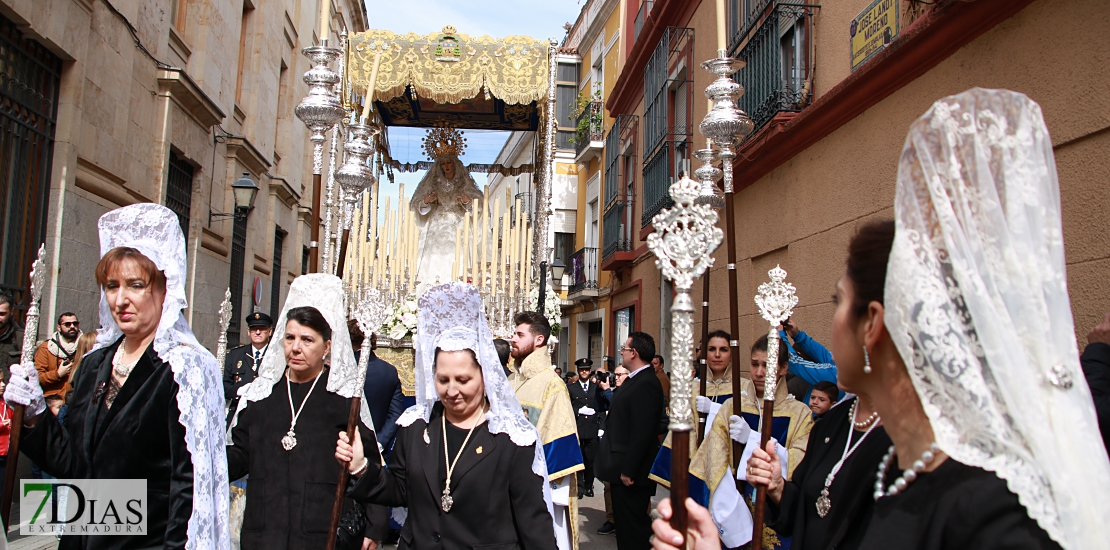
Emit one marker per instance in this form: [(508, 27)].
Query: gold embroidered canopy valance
[(449, 67)]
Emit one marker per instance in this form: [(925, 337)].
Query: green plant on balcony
[(586, 124)]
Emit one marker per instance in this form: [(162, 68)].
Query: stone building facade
[(823, 158), (167, 101)]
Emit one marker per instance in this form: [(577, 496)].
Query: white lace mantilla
[(977, 302), (154, 231), (451, 318), (325, 293)]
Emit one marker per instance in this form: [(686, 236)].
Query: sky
[(535, 18)]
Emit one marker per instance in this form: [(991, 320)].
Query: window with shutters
[(179, 190), (276, 276), (668, 86)]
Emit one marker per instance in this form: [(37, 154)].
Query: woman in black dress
[(146, 402), (282, 434), (955, 320), (466, 463)]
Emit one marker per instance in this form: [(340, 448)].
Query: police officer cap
[(584, 363), (259, 319)]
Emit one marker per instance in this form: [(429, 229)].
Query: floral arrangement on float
[(401, 323), (551, 309)]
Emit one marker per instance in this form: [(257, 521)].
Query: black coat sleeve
[(396, 407), (48, 444), (533, 523), (239, 452), (990, 517), (181, 480), (1096, 368), (381, 485), (780, 517)]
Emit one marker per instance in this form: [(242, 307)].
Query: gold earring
[(866, 361)]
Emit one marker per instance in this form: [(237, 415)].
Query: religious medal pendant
[(289, 441), (823, 503), (446, 501)]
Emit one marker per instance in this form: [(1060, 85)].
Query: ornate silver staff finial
[(224, 316), (321, 109), (708, 175), (355, 174), (31, 329), (725, 123), (370, 310), (776, 301), (684, 239)]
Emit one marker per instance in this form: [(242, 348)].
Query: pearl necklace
[(123, 369), (908, 476), (865, 422)]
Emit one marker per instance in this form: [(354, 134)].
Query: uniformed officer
[(242, 363), (583, 397)]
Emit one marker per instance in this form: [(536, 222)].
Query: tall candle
[(325, 19), (526, 260), (483, 268), (720, 24), (455, 266), (495, 266)]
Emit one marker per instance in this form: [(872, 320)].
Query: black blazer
[(140, 437), (289, 493), (852, 490), (383, 397), (632, 429), (587, 425), (498, 500)]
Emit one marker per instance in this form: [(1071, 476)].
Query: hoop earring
[(866, 361)]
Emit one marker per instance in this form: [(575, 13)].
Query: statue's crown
[(444, 141)]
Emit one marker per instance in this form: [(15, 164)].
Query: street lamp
[(557, 270), (244, 192)]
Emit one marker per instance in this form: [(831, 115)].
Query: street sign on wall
[(872, 30)]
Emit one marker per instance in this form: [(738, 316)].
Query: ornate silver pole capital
[(776, 301), (224, 318), (725, 123), (683, 242), (321, 109), (708, 175), (355, 175)]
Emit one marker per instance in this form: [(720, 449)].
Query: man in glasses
[(242, 363), (54, 357)]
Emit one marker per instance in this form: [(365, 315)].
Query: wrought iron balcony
[(583, 273), (617, 227), (589, 136), (525, 206), (777, 44)]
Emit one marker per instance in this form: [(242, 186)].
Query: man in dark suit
[(631, 442), (241, 364), (583, 398)]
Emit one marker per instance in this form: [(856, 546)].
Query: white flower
[(398, 332)]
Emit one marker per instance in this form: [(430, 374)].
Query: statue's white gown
[(438, 222)]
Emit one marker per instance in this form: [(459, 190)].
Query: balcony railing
[(617, 227), (525, 206), (641, 18), (779, 74), (590, 126), (583, 271)]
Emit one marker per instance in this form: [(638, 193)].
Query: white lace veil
[(325, 293), (977, 302), (450, 317), (154, 230)]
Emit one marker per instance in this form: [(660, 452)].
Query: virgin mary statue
[(439, 203)]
